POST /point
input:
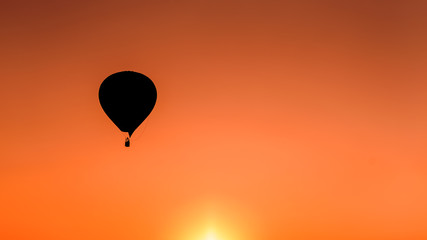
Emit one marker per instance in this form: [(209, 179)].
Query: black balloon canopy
[(127, 98)]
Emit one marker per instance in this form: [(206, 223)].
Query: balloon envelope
[(127, 98)]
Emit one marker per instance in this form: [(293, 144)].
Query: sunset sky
[(275, 120)]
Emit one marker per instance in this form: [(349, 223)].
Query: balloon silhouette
[(127, 98)]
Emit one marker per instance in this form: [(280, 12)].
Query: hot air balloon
[(127, 98)]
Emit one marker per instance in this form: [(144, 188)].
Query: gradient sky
[(287, 120)]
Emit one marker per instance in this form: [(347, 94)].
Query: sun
[(211, 236)]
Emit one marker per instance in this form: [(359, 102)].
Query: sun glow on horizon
[(213, 220), (211, 236)]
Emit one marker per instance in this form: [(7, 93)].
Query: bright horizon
[(290, 120)]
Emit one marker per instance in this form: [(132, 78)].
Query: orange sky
[(294, 120)]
